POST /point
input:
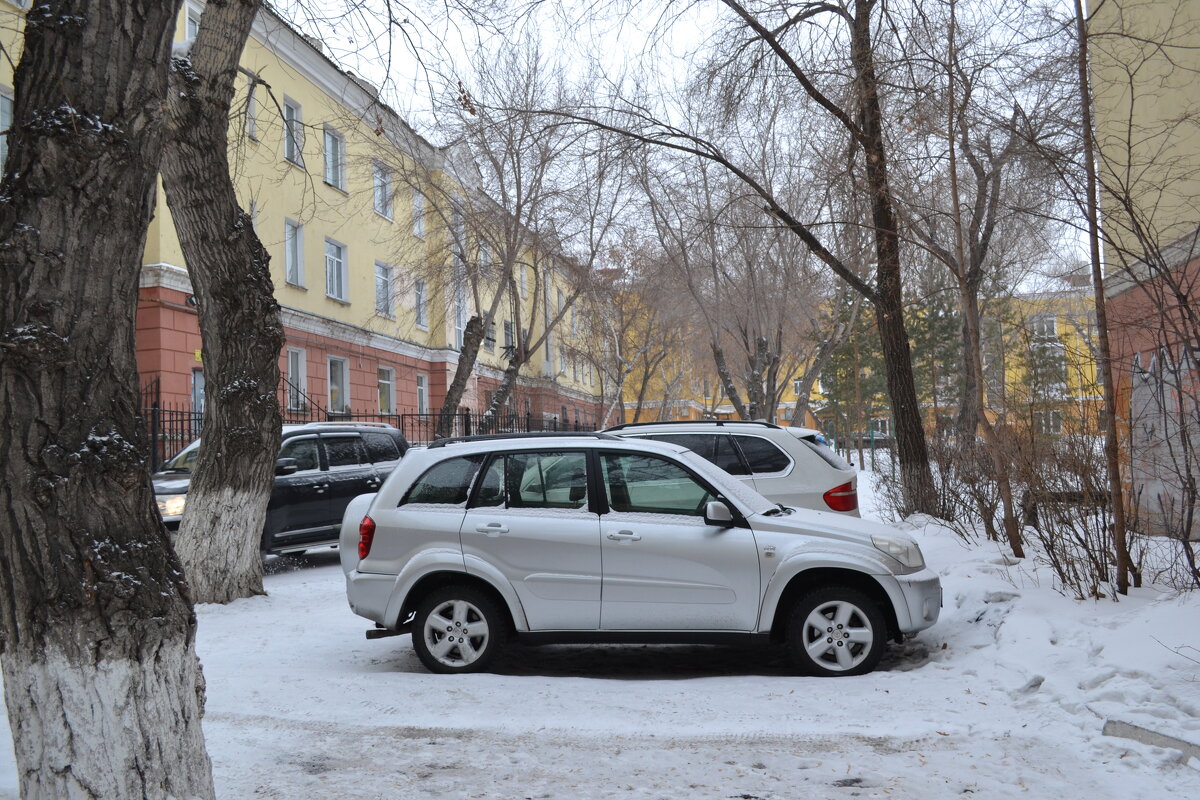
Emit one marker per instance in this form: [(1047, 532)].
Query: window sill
[(340, 301), (297, 164), (337, 188), (299, 286), (381, 215)]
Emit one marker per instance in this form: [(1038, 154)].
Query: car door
[(530, 518), (775, 474), (350, 472), (299, 506), (664, 567)]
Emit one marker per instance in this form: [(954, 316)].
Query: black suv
[(322, 466)]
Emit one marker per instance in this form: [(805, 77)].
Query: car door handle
[(491, 529), (320, 488), (625, 536), (374, 484)]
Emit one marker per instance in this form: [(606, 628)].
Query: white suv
[(792, 466), (594, 538)]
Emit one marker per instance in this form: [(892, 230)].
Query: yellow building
[(368, 262)]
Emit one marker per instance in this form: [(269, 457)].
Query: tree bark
[(101, 680), (219, 539), (727, 383), (467, 356)]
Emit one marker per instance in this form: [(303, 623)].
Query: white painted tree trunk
[(113, 724)]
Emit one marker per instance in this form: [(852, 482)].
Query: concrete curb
[(1126, 730)]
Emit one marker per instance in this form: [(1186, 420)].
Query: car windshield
[(186, 460)]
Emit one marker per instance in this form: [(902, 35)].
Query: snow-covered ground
[(1006, 695)]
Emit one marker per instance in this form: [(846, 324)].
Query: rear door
[(299, 508), (530, 518), (775, 473), (350, 473)]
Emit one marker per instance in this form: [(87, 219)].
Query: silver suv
[(594, 538), (792, 466)]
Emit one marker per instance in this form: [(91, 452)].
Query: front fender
[(833, 558)]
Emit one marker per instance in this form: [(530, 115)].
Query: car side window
[(344, 451), (445, 483), (381, 447), (654, 485), (304, 451), (491, 485), (717, 448), (547, 480), (763, 456)]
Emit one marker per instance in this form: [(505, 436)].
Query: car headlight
[(905, 551), (171, 505)]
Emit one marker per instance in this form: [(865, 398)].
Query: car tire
[(835, 631), (481, 625)]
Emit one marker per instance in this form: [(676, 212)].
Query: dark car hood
[(171, 482)]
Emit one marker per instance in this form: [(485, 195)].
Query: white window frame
[(421, 303), (6, 120), (1044, 326), (385, 280), (422, 393), (293, 253), (337, 272), (418, 214), (335, 158), (293, 132), (297, 375), (460, 311), (191, 21), (381, 182), (387, 389), (344, 371), (524, 283)]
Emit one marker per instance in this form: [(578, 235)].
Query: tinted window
[(762, 456), (303, 450), (491, 485), (547, 480), (717, 448), (186, 460), (343, 451), (650, 484), (827, 453), (445, 483), (380, 447)]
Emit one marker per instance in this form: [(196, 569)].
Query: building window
[(193, 21), (335, 270), (335, 159), (421, 304), (508, 335), (460, 312), (293, 252), (387, 390), (295, 378), (574, 320), (6, 118), (524, 283), (198, 391), (1044, 326), (562, 361), (339, 385), (383, 289), (1048, 423), (293, 133), (383, 190), (489, 338), (881, 427), (418, 214), (422, 394), (797, 386)]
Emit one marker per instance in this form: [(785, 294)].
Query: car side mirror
[(717, 513), (286, 466)]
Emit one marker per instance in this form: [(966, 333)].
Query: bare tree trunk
[(101, 680), (467, 356), (220, 536), (1111, 457), (727, 383)]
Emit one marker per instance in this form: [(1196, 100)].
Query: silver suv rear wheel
[(457, 629)]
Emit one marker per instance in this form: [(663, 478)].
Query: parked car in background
[(596, 538), (321, 467), (793, 466)]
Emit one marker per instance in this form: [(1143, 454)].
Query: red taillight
[(840, 498), (366, 535)]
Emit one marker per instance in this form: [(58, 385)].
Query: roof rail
[(717, 422), (487, 437), (349, 424)]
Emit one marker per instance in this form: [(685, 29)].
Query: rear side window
[(547, 480), (343, 451), (445, 483), (763, 456), (381, 447), (717, 448), (827, 453)]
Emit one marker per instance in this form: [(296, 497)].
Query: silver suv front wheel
[(457, 629), (836, 630)]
